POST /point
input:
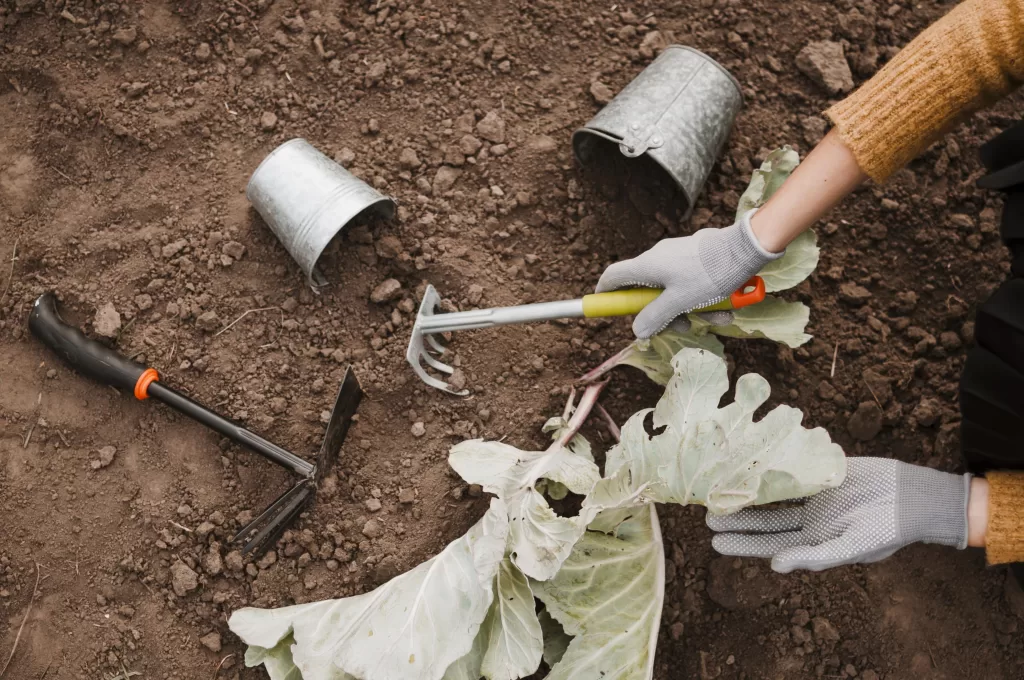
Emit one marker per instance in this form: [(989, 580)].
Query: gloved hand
[(882, 506), (695, 271)]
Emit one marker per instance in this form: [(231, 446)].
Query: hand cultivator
[(107, 366), (425, 346)]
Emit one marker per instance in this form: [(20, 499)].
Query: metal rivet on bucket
[(306, 199), (679, 111)]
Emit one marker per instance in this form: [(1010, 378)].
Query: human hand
[(882, 506), (695, 271)]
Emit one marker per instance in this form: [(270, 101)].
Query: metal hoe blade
[(263, 532), (425, 348)]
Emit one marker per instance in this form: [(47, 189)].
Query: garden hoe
[(425, 347), (107, 366)]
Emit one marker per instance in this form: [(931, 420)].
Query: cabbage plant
[(472, 611)]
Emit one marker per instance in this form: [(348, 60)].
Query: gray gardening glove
[(695, 271), (883, 505)]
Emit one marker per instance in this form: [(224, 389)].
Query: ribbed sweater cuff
[(1004, 537)]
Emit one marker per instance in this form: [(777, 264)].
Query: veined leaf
[(720, 457), (609, 595), (653, 356), (514, 639), (278, 661), (539, 539), (767, 179), (775, 319), (411, 628), (798, 262)]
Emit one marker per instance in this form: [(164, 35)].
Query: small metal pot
[(679, 111), (306, 199)]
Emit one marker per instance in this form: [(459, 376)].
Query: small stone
[(445, 179), (406, 496), (927, 412), (268, 560), (475, 294), (106, 457), (125, 36), (268, 121), (233, 249), (389, 247), (345, 157), (211, 641), (233, 560), (208, 321), (825, 63), (492, 128), (418, 429), (387, 290), (107, 321), (172, 249), (372, 528), (601, 93), (205, 529), (853, 294), (373, 504), (183, 579), (203, 52), (469, 145), (213, 563), (144, 301), (814, 129), (866, 422), (408, 159)]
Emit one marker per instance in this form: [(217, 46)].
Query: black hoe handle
[(101, 363), (83, 354)]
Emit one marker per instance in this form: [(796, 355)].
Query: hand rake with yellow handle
[(424, 346)]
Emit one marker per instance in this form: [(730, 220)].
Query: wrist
[(977, 512), (769, 232)]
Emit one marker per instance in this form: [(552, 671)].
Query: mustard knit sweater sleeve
[(1004, 538), (966, 61)]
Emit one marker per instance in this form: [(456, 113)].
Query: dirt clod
[(211, 641), (601, 93), (825, 63), (866, 422), (107, 321), (492, 127), (386, 291), (105, 457), (183, 579)]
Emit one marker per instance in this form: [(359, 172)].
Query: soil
[(129, 133)]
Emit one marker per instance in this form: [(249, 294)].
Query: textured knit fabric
[(1004, 538), (882, 506), (695, 271), (965, 61)]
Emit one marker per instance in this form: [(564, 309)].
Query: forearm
[(828, 174), (977, 513)]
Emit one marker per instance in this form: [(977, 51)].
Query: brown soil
[(129, 132)]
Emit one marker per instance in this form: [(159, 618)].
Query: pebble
[(470, 145), (107, 321), (233, 561), (233, 249), (406, 496), (345, 157), (268, 121), (211, 641), (203, 52), (372, 504), (866, 422), (372, 528), (601, 93), (854, 294), (183, 579), (106, 457), (418, 429), (125, 36), (386, 290), (825, 63), (143, 301), (408, 159), (492, 128), (927, 412), (445, 179), (208, 321)]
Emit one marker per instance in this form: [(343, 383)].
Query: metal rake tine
[(438, 347), (435, 364)]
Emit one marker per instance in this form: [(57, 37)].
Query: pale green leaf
[(411, 628), (555, 639), (468, 667), (609, 596), (539, 540), (514, 639), (774, 319), (721, 457), (798, 262), (653, 356), (767, 179), (278, 661)]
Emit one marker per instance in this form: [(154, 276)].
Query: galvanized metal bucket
[(679, 111), (306, 199)]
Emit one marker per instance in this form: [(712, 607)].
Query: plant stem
[(599, 372), (609, 423), (587, 402)]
